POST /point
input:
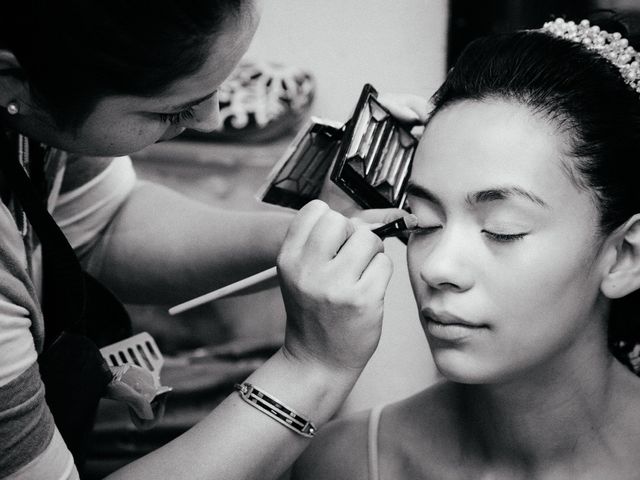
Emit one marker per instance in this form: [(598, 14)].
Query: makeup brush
[(397, 227), (391, 229)]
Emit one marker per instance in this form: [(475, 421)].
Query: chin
[(460, 367)]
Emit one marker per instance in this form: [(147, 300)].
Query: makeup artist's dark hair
[(586, 97), (75, 52)]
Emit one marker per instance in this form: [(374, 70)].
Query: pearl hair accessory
[(12, 108), (610, 45)]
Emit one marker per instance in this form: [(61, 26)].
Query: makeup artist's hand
[(333, 277), (408, 108)]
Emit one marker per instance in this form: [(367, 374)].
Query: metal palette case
[(374, 162), (371, 157), (298, 176)]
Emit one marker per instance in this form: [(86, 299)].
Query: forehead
[(472, 145)]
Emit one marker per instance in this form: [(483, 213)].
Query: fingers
[(376, 217), (317, 231), (328, 235), (357, 253), (333, 289), (302, 225), (375, 278), (406, 107), (320, 236)]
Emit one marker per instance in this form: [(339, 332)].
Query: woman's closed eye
[(504, 237), (179, 117), (425, 229), (501, 237)]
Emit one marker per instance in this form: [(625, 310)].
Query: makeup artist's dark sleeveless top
[(80, 315)]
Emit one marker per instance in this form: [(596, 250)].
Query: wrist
[(274, 233), (330, 367), (310, 387)]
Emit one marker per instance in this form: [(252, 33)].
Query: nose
[(206, 116), (446, 262)]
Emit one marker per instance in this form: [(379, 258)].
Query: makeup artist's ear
[(622, 260), (13, 87)]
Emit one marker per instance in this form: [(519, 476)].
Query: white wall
[(397, 46)]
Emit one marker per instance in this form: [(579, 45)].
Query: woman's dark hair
[(74, 52), (587, 98)]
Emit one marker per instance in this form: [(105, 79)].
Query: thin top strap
[(372, 441)]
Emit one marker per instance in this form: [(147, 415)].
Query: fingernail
[(416, 116)]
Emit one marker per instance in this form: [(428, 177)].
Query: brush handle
[(388, 230), (224, 291)]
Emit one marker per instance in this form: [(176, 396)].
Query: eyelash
[(504, 237), (175, 118), (424, 230), (497, 237)]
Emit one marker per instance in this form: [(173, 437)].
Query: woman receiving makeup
[(525, 267), (81, 83)]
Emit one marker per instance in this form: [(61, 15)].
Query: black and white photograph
[(320, 240)]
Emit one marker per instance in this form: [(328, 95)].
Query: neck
[(549, 417)]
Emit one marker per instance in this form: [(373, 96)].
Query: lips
[(448, 319), (446, 326)]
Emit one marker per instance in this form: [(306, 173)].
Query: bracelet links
[(274, 408)]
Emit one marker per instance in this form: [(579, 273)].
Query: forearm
[(236, 441), (334, 318), (164, 247)]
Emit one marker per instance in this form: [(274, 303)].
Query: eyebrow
[(421, 192), (483, 196), (192, 103), (503, 193)]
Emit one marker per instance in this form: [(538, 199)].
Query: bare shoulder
[(339, 451), (417, 438), (434, 404), (420, 437)]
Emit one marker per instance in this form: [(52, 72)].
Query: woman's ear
[(623, 271), (12, 84)]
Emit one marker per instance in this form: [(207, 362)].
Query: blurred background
[(395, 46), (307, 58)]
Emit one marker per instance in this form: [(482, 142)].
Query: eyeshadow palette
[(371, 156), (298, 176), (374, 161)]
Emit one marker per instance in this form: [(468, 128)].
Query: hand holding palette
[(371, 156)]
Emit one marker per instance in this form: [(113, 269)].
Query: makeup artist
[(82, 84)]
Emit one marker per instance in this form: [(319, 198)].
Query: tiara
[(610, 45)]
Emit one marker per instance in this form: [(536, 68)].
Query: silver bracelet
[(276, 409)]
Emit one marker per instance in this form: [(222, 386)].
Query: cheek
[(554, 276), (550, 293), (121, 139), (415, 258)]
